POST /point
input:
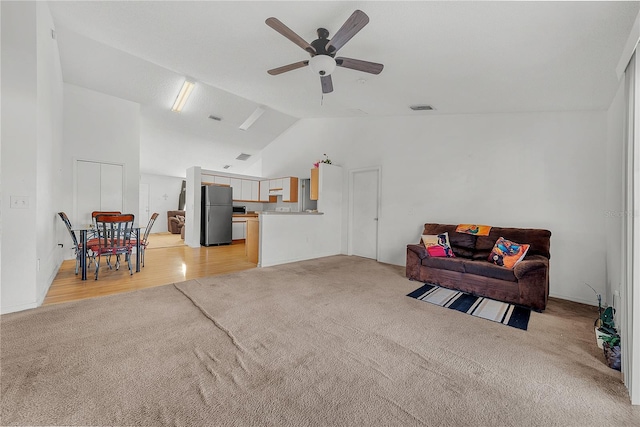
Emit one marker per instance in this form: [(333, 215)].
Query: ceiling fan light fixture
[(322, 65)]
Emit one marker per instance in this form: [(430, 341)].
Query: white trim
[(19, 307), (352, 172), (634, 256), (629, 47), (630, 321)]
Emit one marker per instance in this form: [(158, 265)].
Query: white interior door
[(87, 191), (364, 204), (143, 212)]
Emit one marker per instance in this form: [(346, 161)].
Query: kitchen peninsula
[(284, 237)]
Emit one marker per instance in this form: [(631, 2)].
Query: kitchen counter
[(247, 215), (290, 213)]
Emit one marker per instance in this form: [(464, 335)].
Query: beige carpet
[(164, 240), (329, 342)]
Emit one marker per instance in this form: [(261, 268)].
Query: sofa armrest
[(419, 250), (530, 265)]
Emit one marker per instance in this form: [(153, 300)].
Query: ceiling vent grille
[(226, 166), (422, 108), (243, 156)]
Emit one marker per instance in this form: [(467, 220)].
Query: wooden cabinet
[(290, 189), (252, 244), (315, 175), (238, 229)]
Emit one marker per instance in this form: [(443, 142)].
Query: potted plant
[(604, 325), (611, 347)]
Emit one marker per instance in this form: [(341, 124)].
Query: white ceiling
[(460, 57)]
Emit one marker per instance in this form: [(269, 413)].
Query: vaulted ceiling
[(459, 57)]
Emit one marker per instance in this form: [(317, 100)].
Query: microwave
[(239, 209)]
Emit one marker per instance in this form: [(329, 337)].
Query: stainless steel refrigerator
[(216, 217)]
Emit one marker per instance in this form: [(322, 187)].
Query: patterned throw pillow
[(429, 240), (475, 229), (443, 240), (438, 245), (507, 254)]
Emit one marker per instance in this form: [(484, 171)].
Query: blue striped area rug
[(497, 311)]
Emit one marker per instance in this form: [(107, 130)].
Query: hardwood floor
[(162, 266)]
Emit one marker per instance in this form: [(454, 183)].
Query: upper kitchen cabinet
[(286, 187), (264, 191)]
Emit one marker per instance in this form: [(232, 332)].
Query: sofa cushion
[(481, 255), (451, 264), (464, 252), (487, 269), (462, 240)]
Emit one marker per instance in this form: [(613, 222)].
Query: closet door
[(99, 187)]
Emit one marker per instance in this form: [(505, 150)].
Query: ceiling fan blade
[(327, 84), (350, 28), (357, 64), (285, 68), (288, 33)]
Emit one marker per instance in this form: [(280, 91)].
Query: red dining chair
[(92, 244), (115, 234), (94, 214), (144, 242)]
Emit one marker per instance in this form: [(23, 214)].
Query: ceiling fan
[(323, 50)]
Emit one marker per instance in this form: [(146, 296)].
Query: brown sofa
[(173, 223), (527, 284)]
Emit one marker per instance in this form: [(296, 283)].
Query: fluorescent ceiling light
[(252, 118), (187, 87)]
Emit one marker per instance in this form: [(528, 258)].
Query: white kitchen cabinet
[(275, 184), (255, 191), (264, 191), (236, 186), (223, 180), (246, 190), (286, 190)]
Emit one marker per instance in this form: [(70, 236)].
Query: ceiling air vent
[(243, 156), (422, 108), (217, 119), (226, 166)]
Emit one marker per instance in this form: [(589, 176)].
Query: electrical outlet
[(19, 202)]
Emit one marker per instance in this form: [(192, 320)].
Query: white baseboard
[(19, 307)]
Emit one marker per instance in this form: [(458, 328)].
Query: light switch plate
[(19, 202)]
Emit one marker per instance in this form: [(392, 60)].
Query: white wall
[(31, 138), (614, 191), (100, 128), (164, 193), (49, 157), (538, 170)]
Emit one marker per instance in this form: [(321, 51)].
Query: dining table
[(85, 230)]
